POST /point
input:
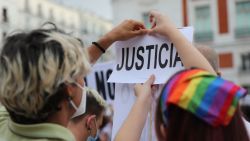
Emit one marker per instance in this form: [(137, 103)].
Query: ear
[(91, 122), (163, 131)]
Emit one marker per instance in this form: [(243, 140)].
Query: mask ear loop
[(72, 103), (70, 98)]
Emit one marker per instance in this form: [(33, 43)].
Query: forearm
[(126, 30), (190, 56), (132, 127), (94, 52)]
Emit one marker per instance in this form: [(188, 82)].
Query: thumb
[(152, 31), (154, 13), (140, 32), (151, 80)]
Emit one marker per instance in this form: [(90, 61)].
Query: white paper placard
[(124, 93), (142, 56), (97, 79)]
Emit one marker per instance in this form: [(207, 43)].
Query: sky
[(99, 7)]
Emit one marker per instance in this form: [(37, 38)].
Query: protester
[(190, 57), (85, 127), (42, 86), (211, 55), (196, 105)]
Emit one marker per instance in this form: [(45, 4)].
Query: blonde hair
[(34, 65), (97, 97)]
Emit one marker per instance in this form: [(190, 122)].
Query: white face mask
[(82, 107)]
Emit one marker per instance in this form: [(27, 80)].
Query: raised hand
[(127, 29)]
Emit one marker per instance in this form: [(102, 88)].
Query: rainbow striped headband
[(210, 98)]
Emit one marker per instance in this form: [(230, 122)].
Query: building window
[(97, 30), (85, 31), (203, 28), (226, 60), (51, 15), (102, 30), (39, 10), (93, 28), (145, 17), (62, 22), (242, 28), (4, 35), (5, 15), (72, 26), (26, 6), (89, 27), (245, 62)]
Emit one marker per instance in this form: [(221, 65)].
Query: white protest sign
[(142, 56), (136, 60), (97, 80)]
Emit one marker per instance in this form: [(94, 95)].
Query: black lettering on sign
[(156, 54), (111, 86), (129, 67), (122, 63), (140, 57), (86, 81), (163, 46), (106, 90), (134, 57), (100, 84), (149, 48), (171, 55), (177, 59)]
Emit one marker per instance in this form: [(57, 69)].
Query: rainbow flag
[(209, 97)]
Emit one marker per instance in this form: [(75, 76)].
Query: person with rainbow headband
[(194, 105)]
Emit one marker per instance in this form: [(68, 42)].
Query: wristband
[(99, 47)]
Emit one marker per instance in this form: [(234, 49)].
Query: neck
[(61, 117), (79, 131)]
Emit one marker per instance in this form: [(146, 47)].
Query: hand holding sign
[(160, 22), (166, 28), (127, 29), (142, 56), (144, 92)]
